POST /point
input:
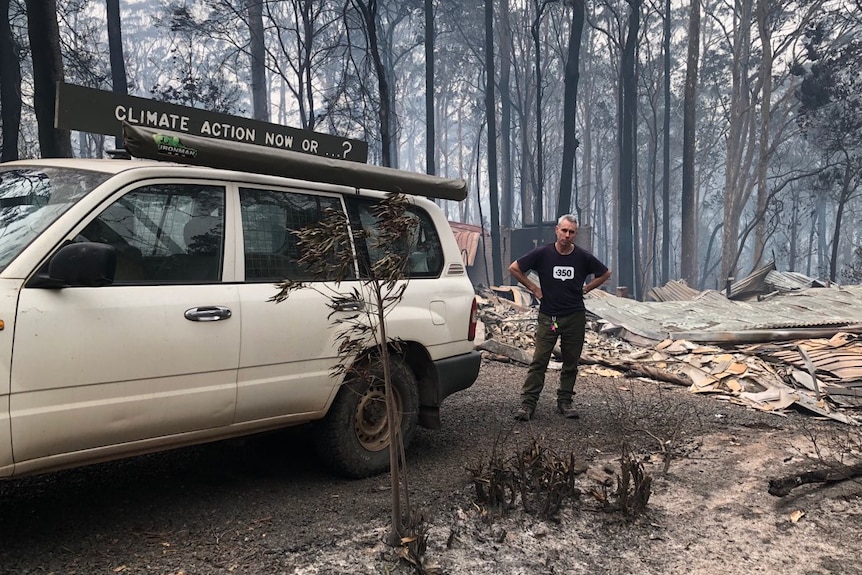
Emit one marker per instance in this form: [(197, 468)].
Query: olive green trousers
[(570, 331)]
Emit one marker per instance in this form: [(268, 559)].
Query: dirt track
[(265, 506)]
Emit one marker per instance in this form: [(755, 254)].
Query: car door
[(288, 348), (151, 356)]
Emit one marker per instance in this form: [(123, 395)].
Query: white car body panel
[(105, 372), (288, 350), (140, 369)]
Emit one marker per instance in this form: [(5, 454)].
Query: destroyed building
[(772, 341)]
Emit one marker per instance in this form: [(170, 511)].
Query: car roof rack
[(143, 142), (119, 154)]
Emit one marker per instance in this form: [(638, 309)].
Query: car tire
[(353, 438)]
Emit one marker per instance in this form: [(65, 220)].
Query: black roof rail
[(155, 144), (120, 154)]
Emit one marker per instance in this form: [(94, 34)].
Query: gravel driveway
[(265, 506)]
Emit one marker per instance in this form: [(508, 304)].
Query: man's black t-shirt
[(562, 277)]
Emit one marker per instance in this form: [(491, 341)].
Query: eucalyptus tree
[(539, 7), (525, 92), (688, 255), (620, 27), (759, 104), (491, 119), (628, 190), (665, 164), (460, 116), (10, 85), (119, 80), (775, 26), (327, 254), (199, 71), (648, 210), (710, 149), (507, 188), (650, 76), (430, 128), (257, 49), (146, 51), (378, 23), (599, 115), (304, 45), (830, 107), (570, 106), (44, 34)]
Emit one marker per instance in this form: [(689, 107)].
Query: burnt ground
[(264, 505)]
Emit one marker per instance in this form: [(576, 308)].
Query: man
[(562, 268)]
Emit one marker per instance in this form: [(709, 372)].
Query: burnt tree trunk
[(783, 486)]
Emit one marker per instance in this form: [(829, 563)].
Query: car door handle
[(350, 305), (208, 313)]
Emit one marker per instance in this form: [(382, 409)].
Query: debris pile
[(822, 376)]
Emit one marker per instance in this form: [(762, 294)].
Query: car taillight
[(474, 316)]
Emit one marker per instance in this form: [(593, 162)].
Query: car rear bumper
[(451, 375)]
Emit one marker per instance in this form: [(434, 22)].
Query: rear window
[(421, 246)]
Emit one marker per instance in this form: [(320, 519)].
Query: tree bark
[(783, 486), (843, 199), (10, 87), (44, 34), (430, 144), (688, 260), (741, 129), (507, 188), (570, 108), (119, 80), (259, 88), (628, 85), (665, 185), (763, 138), (538, 198), (491, 116), (368, 11)]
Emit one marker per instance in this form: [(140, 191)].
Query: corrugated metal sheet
[(829, 367), (674, 290), (789, 281), (713, 318), (468, 237), (763, 282), (754, 284), (836, 360)]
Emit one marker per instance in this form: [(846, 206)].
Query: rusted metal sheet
[(833, 366), (468, 239)]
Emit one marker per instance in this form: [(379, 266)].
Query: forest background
[(693, 139)]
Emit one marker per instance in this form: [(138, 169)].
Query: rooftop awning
[(156, 144)]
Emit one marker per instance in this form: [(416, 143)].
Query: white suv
[(135, 316)]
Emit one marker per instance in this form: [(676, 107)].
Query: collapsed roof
[(789, 344)]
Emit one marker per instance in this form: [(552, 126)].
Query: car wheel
[(353, 438)]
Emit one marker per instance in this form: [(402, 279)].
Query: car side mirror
[(82, 264)]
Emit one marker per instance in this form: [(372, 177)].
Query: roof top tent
[(154, 144)]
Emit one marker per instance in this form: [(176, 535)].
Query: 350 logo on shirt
[(564, 273)]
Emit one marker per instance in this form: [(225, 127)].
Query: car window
[(268, 218), (422, 247), (164, 233), (32, 198)]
